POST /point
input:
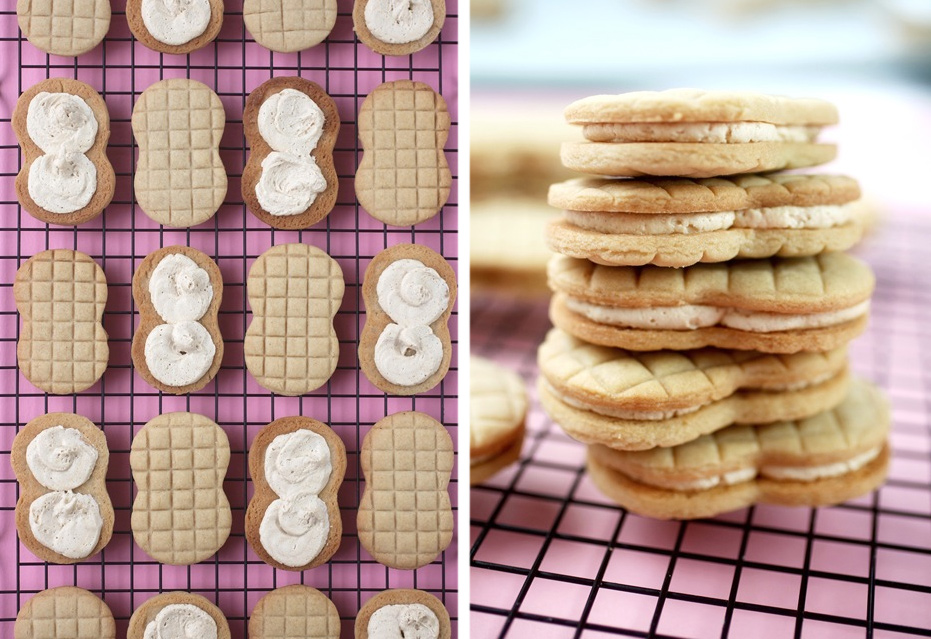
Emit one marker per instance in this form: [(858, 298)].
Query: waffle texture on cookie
[(405, 519), (61, 295), (65, 612), (289, 25), (181, 514), (64, 27), (294, 612), (291, 346)]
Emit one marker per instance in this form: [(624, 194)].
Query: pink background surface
[(122, 402), (552, 558)]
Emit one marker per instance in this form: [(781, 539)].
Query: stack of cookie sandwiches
[(703, 304)]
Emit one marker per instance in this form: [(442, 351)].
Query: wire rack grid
[(121, 403), (552, 558)]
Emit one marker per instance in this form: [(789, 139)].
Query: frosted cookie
[(635, 400), (181, 515), (825, 459), (409, 292), (290, 180), (61, 295), (776, 305), (64, 27), (63, 514), (294, 612), (403, 178), (498, 263), (177, 347), (289, 25), (405, 519), (175, 26), (178, 614), (180, 179), (295, 290), (497, 411), (403, 613), (63, 127), (65, 612), (398, 27), (680, 222), (694, 133), (297, 465)]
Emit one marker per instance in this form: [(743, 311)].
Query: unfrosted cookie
[(409, 293), (65, 612), (63, 127), (64, 513), (398, 27), (497, 411), (293, 521), (695, 133), (824, 459), (196, 616), (64, 27), (403, 613), (294, 612), (61, 295), (289, 25), (403, 178), (405, 519), (776, 305), (177, 347), (169, 26), (680, 222), (180, 178), (290, 180)]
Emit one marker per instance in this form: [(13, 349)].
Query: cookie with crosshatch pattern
[(146, 613), (403, 178), (61, 295), (497, 411), (289, 25), (64, 27), (294, 612), (181, 515), (410, 623), (405, 519), (295, 290), (65, 612)]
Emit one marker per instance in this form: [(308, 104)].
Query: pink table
[(122, 403), (552, 558)]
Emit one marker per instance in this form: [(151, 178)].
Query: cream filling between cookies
[(704, 132), (181, 621), (66, 522), (407, 621), (414, 296), (292, 124), (180, 290), (777, 217), (64, 127), (298, 462), (691, 316), (60, 458), (785, 473), (176, 22), (399, 21)]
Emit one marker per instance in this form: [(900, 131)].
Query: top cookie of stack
[(683, 263)]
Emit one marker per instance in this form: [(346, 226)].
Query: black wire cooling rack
[(122, 403), (552, 558)]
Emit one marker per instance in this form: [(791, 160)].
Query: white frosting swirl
[(295, 529), (408, 356), (66, 522), (289, 184), (181, 621), (175, 22), (412, 294), (298, 462), (60, 458), (399, 21), (291, 122), (179, 354), (63, 125), (404, 621), (180, 289)]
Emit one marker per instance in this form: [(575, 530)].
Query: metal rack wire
[(551, 557), (122, 403)]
